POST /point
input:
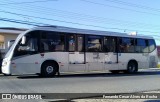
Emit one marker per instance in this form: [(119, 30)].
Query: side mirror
[(23, 42), (10, 43)]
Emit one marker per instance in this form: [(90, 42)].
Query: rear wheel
[(132, 67), (49, 69)]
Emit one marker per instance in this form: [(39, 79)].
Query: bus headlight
[(4, 63)]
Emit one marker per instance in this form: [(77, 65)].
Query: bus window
[(72, 41), (52, 41), (94, 44), (141, 46), (80, 40), (131, 47), (109, 44), (126, 45), (152, 45)]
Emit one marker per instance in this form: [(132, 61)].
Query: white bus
[(49, 50)]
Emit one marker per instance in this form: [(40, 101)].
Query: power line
[(38, 24), (17, 21), (13, 3), (73, 22), (22, 22), (87, 17), (90, 18), (96, 3), (66, 21), (120, 23), (134, 5)]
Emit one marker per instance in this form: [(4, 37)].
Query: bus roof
[(86, 31)]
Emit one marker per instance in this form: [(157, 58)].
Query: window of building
[(94, 44), (2, 45)]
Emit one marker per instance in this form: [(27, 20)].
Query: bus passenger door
[(94, 55), (76, 53), (110, 53)]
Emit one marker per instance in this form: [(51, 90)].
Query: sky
[(141, 16)]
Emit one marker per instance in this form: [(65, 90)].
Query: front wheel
[(49, 69)]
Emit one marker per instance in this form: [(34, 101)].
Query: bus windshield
[(11, 48)]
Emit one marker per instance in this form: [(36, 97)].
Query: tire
[(7, 74), (132, 67), (114, 71), (49, 69)]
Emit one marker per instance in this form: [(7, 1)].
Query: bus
[(51, 50)]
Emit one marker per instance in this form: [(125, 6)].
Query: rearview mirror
[(10, 43), (23, 42)]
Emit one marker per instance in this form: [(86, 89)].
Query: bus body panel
[(153, 59), (94, 61), (60, 57), (32, 63), (140, 58), (77, 62), (26, 64), (111, 61)]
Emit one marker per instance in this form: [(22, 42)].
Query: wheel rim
[(49, 69), (131, 68)]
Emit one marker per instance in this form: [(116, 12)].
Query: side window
[(109, 44), (72, 42), (131, 46), (126, 45), (80, 43), (94, 44), (142, 46), (32, 43), (152, 45), (52, 41)]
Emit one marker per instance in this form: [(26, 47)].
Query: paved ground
[(145, 80), (123, 100)]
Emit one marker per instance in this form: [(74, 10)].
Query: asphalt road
[(144, 80)]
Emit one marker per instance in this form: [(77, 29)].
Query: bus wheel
[(132, 67), (49, 69), (114, 71)]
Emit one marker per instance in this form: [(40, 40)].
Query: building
[(7, 34)]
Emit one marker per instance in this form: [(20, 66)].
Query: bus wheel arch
[(132, 66), (49, 68)]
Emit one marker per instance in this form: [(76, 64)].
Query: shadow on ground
[(92, 75)]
